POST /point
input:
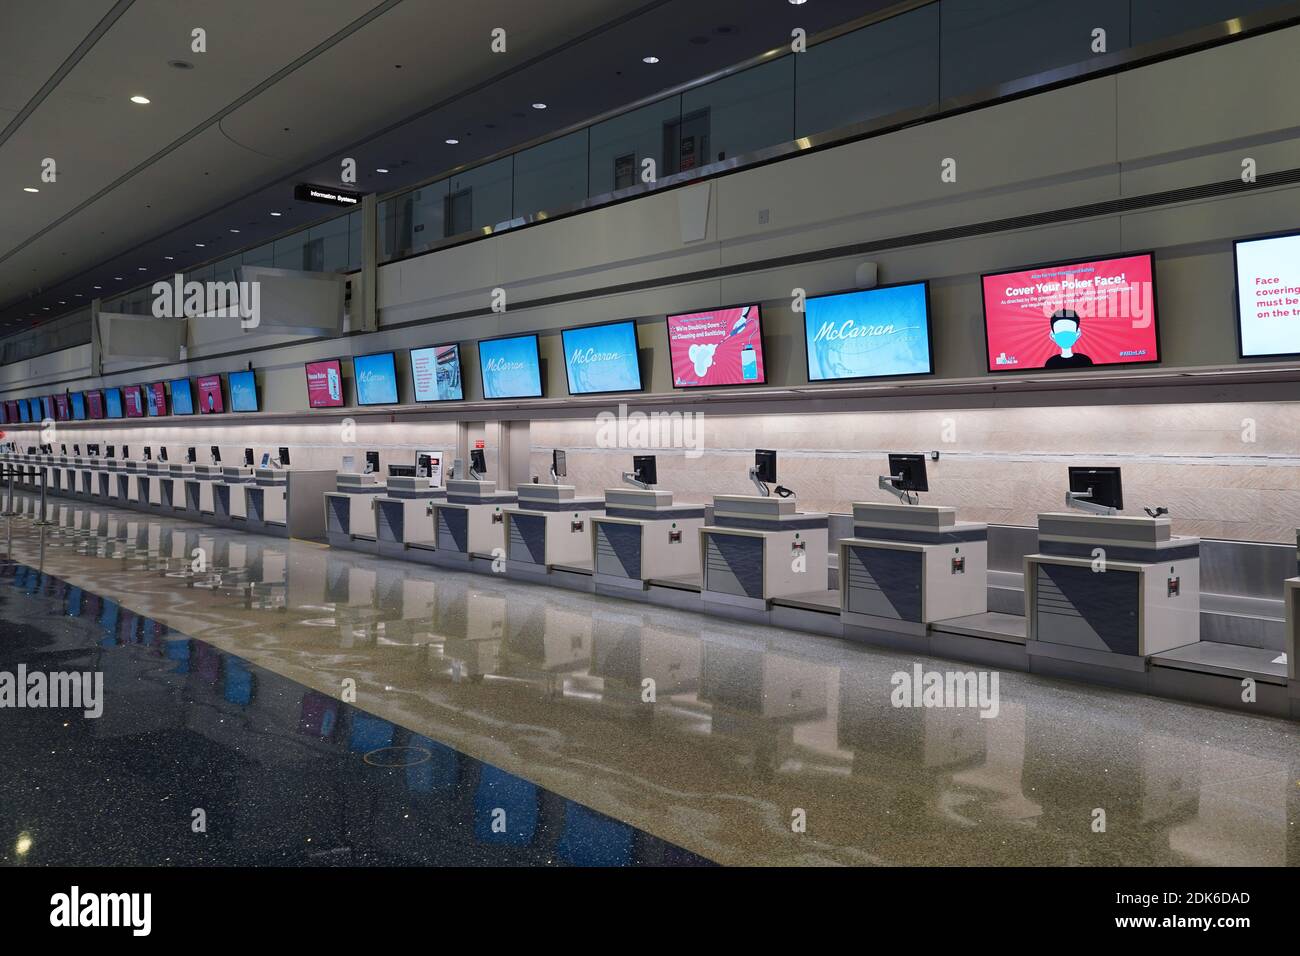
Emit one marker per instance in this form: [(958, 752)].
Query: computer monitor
[(372, 463), (423, 465), (63, 449), (216, 455), (148, 453), (1101, 486), (909, 473), (92, 451), (559, 463), (162, 453), (248, 457), (76, 450), (645, 469), (765, 466), (284, 457), (401, 471), (478, 461), (112, 451), (126, 452), (190, 456)]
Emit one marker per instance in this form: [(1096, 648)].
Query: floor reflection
[(711, 736)]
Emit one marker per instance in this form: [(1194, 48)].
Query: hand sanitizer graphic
[(332, 380), (748, 363)]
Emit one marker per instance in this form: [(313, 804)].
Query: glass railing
[(64, 332), (915, 58)]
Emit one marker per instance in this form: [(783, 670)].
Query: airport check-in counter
[(150, 484), (470, 522), (402, 522), (350, 512), (548, 534), (1111, 590), (87, 476), (171, 487), (199, 490), (128, 483), (287, 502), (114, 469), (643, 536), (760, 548), (907, 566), (229, 499)]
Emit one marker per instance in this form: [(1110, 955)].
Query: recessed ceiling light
[(798, 3), (140, 100), (99, 287), (118, 278), (139, 269), (180, 64), (62, 302), (650, 59), (539, 106), (277, 214), (169, 258), (45, 308), (378, 169), (452, 141), (198, 245), (234, 230), (30, 189)]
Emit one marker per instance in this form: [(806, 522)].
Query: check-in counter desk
[(907, 566), (199, 490), (548, 535), (643, 536), (1292, 595), (761, 548), (149, 485), (402, 525), (112, 491), (286, 502), (1109, 590), (470, 523), (88, 470), (171, 487), (350, 512), (229, 498), (128, 482)]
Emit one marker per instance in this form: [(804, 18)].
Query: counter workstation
[(350, 512), (402, 525), (286, 502), (548, 535), (642, 536), (469, 524), (229, 498)]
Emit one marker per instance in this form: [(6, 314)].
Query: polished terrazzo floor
[(752, 730)]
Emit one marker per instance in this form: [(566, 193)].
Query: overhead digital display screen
[(62, 408), (211, 400), (511, 367), (182, 397), (78, 406), (243, 392), (602, 358), (24, 410), (868, 333), (1268, 296), (435, 373), (133, 401), (719, 347), (155, 399), (376, 378), (47, 407), (325, 384), (95, 404), (113, 403), (11, 412), (1072, 315)]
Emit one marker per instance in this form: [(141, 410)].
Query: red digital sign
[(133, 401), (325, 384), (210, 395), (95, 404), (1072, 315), (719, 347)]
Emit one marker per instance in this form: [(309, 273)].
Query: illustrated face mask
[(1065, 338)]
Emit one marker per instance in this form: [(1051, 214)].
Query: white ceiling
[(283, 82)]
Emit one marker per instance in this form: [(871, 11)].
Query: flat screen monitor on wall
[(24, 410), (511, 367), (211, 399), (243, 391), (95, 405), (113, 403), (1072, 315), (62, 408), (78, 406), (47, 407), (133, 401), (869, 333), (717, 347), (182, 397), (435, 374), (1268, 295), (376, 378), (602, 358), (325, 384), (155, 399)]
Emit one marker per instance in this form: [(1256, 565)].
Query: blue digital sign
[(602, 358), (243, 392), (376, 378), (182, 397), (113, 402), (872, 333), (78, 406), (511, 367), (24, 410)]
